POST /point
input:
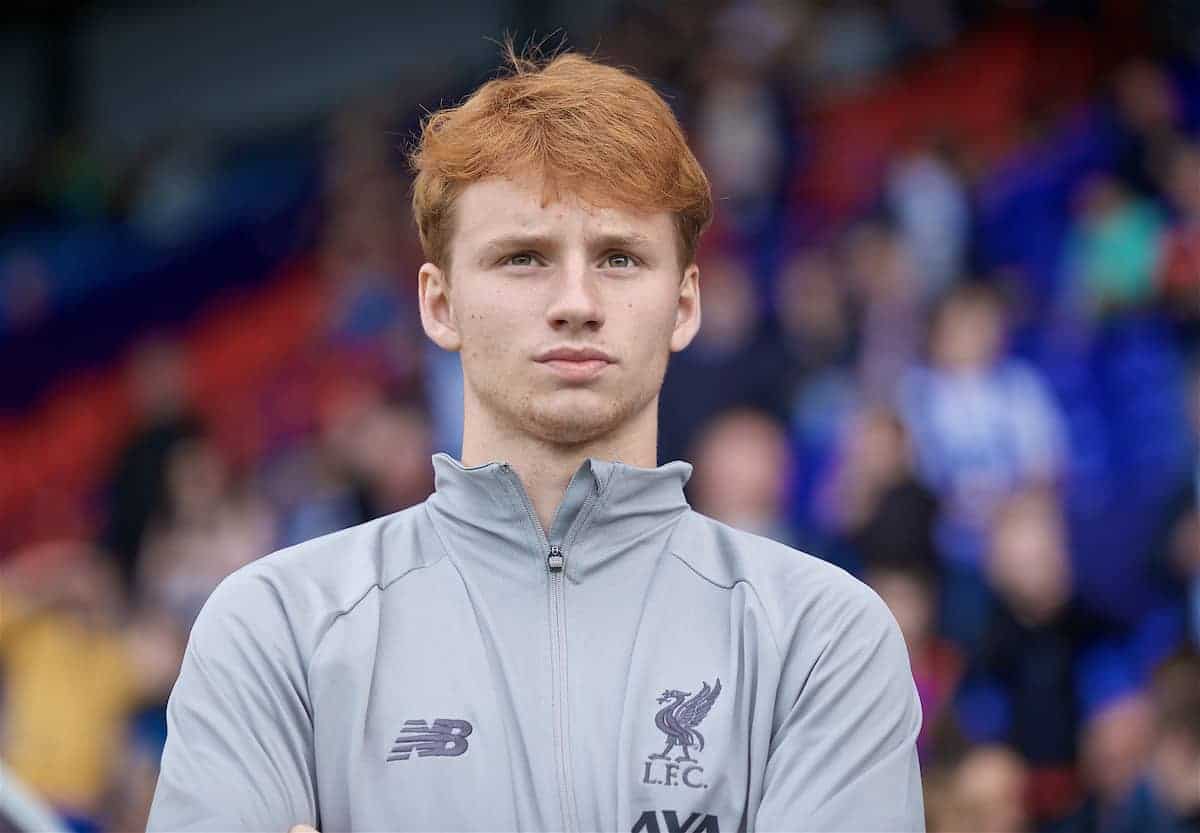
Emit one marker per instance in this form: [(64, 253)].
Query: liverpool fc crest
[(679, 720)]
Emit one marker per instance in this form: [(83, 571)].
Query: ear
[(437, 311), (687, 315)]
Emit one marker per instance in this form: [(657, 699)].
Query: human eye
[(620, 260), (520, 259)]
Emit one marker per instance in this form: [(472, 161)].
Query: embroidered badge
[(679, 720), (446, 738)]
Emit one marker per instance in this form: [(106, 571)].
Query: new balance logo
[(447, 738), (694, 823)]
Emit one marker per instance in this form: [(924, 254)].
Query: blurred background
[(951, 343)]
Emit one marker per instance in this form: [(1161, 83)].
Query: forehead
[(498, 207)]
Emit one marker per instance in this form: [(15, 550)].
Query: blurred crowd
[(1011, 460)]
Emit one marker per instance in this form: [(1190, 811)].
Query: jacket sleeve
[(239, 750), (845, 757)]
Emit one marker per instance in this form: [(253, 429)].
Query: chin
[(575, 417)]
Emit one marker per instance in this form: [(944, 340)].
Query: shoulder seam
[(375, 585), (753, 590)]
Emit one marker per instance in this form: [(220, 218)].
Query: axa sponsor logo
[(649, 822), (679, 719), (445, 738)]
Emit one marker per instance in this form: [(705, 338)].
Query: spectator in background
[(880, 268), (361, 261), (1032, 647), (1183, 551), (984, 427), (133, 792), (1114, 747), (932, 210), (372, 458), (76, 665), (742, 468), (164, 417), (910, 592), (1179, 268), (1167, 799), (988, 792), (818, 339), (740, 119), (386, 446), (853, 44), (944, 812), (731, 347), (656, 38), (313, 491), (211, 524), (875, 501), (1176, 548), (372, 322), (1146, 112), (814, 313), (943, 809), (1112, 251), (357, 147), (1167, 796), (1172, 783), (742, 115)]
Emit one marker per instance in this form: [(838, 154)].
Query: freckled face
[(565, 313)]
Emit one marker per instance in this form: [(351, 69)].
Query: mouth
[(576, 364), (576, 371)]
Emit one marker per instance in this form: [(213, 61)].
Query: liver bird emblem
[(680, 717)]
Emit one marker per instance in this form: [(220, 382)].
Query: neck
[(546, 467)]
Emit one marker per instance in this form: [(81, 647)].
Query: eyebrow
[(627, 240), (510, 242)]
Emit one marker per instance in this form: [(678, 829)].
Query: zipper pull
[(555, 560)]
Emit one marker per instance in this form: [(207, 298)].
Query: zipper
[(556, 565)]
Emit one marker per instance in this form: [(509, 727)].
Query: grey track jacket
[(452, 666)]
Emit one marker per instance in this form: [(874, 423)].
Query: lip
[(576, 364), (575, 354)]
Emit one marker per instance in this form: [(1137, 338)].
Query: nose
[(575, 303)]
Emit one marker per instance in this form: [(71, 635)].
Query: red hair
[(592, 130)]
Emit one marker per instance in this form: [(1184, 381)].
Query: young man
[(554, 640)]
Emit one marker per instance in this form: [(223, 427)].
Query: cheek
[(490, 315), (500, 332), (651, 317), (487, 337), (656, 335)]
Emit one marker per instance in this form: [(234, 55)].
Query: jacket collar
[(609, 508)]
